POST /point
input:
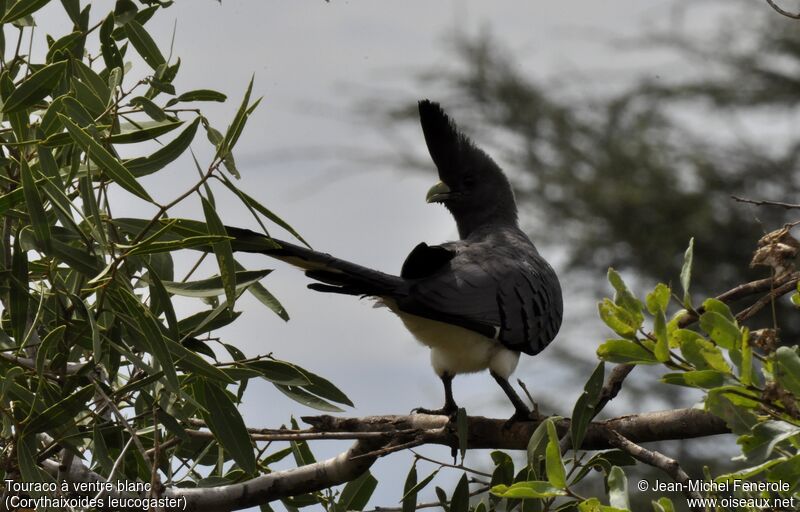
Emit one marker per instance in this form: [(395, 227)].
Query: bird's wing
[(506, 292)]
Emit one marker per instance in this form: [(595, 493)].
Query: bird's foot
[(521, 415), (450, 412)]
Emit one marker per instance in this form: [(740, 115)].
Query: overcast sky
[(312, 63)]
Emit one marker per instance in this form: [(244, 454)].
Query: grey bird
[(478, 302)]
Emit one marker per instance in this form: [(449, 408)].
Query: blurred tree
[(629, 177)]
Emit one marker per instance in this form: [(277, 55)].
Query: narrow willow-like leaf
[(198, 95), (41, 226), (222, 251), (18, 296), (144, 44), (302, 396), (100, 156), (226, 424), (21, 9), (214, 286), (263, 210), (158, 160), (584, 409), (35, 87), (357, 493), (61, 412), (264, 296), (143, 134)]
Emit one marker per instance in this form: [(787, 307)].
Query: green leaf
[(663, 505), (164, 156), (662, 341), (111, 54), (459, 502), (62, 412), (157, 247), (213, 286), (556, 474), (624, 297), (720, 307), (624, 351), (223, 252), (725, 333), (105, 160), (21, 9), (143, 322), (527, 490), (325, 388), (658, 299), (408, 493), (686, 274), (618, 319), (409, 499), (584, 409), (142, 134), (264, 296), (18, 296), (746, 366), (594, 505), (357, 493), (36, 87), (144, 44), (787, 369), (764, 437), (786, 471), (300, 449), (236, 127), (700, 352), (49, 342), (226, 424), (279, 372), (706, 379), (737, 416), (252, 203), (41, 226), (198, 95), (618, 488), (302, 396)]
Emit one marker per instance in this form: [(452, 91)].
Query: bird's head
[(472, 186)]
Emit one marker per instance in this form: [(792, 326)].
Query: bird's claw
[(450, 412), (521, 415)]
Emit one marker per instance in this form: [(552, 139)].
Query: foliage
[(92, 352)]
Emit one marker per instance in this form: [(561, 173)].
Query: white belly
[(457, 350)]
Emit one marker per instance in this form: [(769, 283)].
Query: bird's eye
[(469, 180)]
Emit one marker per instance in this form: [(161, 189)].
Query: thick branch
[(496, 433), (263, 489)]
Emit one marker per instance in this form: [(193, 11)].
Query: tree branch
[(395, 431), (783, 12), (652, 458)]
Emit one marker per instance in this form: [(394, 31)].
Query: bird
[(477, 302)]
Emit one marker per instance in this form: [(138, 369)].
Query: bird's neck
[(475, 222)]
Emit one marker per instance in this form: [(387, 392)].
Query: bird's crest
[(450, 149)]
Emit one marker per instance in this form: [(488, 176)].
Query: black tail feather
[(338, 276)]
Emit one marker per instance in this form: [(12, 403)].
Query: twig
[(454, 466), (768, 299), (783, 12), (430, 504), (653, 458)]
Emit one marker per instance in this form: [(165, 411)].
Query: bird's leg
[(450, 407), (522, 412)]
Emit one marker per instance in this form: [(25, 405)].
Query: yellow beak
[(437, 193)]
